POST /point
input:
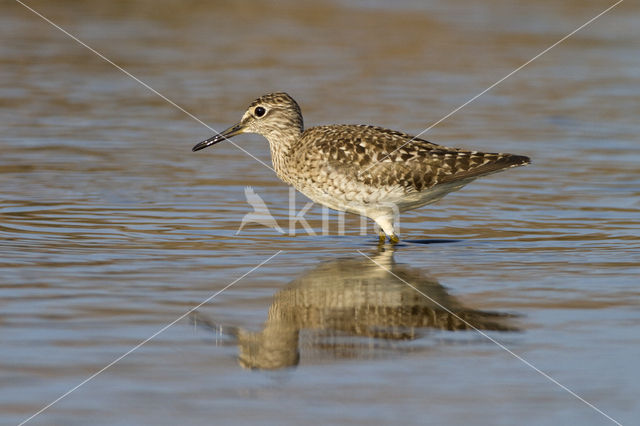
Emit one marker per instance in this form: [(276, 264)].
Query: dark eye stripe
[(259, 111)]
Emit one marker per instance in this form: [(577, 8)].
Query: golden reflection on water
[(344, 300)]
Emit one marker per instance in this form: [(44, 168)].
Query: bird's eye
[(259, 111)]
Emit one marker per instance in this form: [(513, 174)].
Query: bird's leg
[(385, 222), (382, 237)]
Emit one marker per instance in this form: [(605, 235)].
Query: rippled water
[(111, 228)]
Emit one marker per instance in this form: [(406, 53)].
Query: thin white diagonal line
[(500, 345), (140, 81), (494, 84), (208, 299)]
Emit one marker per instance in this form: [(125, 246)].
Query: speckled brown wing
[(381, 157)]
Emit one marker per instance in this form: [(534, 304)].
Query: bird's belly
[(371, 201), (364, 201)]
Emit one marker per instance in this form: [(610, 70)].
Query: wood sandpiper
[(366, 170)]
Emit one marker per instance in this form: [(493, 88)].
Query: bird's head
[(273, 116)]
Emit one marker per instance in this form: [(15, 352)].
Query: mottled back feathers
[(377, 156)]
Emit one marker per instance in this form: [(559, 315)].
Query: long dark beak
[(225, 134)]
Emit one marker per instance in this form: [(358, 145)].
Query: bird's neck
[(282, 144)]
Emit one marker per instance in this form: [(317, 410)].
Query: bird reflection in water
[(346, 305)]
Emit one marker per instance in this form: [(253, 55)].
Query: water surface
[(111, 228)]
